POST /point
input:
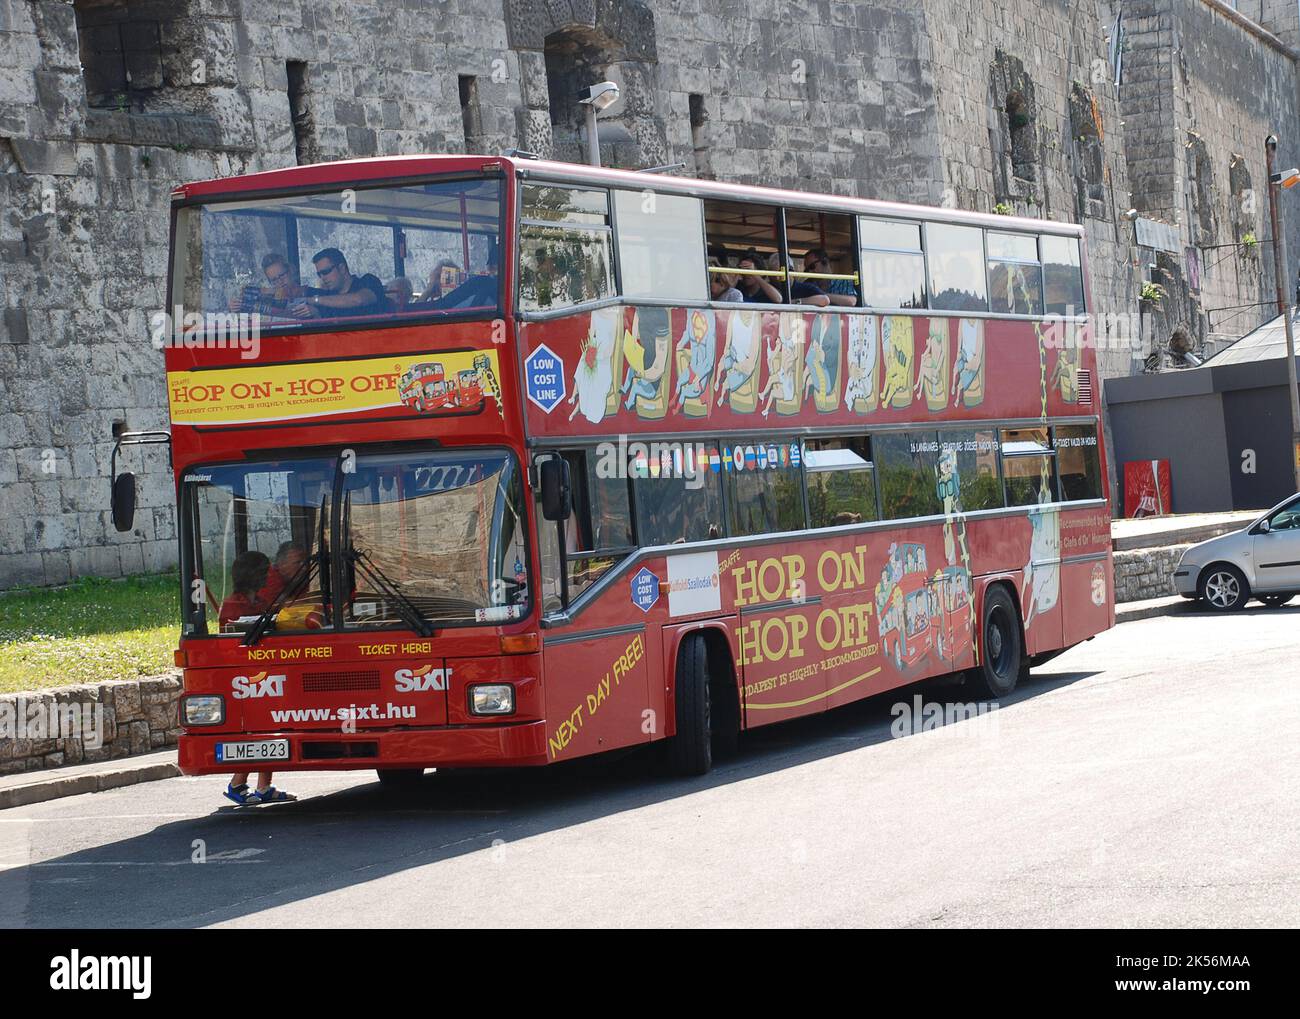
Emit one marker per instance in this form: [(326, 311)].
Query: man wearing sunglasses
[(280, 291), (340, 293)]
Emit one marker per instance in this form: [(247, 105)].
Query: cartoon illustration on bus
[(696, 354), (904, 605), (593, 377), (897, 352), (1042, 583), (737, 379), (952, 586), (968, 369), (933, 375), (426, 388), (860, 391), (822, 363)]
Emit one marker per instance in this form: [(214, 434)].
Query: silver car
[(1260, 561)]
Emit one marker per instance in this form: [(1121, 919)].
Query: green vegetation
[(89, 632), (1152, 292), (1003, 209)]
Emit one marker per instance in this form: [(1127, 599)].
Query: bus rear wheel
[(1001, 651), (690, 751), (400, 778)]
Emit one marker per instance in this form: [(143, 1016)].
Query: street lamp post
[(1283, 305), (596, 98)]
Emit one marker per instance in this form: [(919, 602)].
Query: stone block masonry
[(89, 723), (1146, 572), (106, 105)]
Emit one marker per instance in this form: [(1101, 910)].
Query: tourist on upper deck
[(445, 277), (399, 292), (340, 293), (281, 290), (757, 289), (479, 291), (722, 286), (840, 292)]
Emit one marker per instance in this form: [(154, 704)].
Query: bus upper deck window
[(1015, 275), (893, 265), (565, 247), (1062, 275), (661, 245), (955, 255)]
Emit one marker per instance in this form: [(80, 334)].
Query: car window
[(1286, 519)]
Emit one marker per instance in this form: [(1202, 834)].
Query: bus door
[(597, 690), (956, 619)]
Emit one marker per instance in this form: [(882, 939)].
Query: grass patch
[(89, 632)]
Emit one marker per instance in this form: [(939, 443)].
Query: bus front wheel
[(1001, 650), (690, 751)]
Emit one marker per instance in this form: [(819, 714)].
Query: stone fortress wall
[(991, 105)]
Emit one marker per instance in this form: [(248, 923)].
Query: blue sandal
[(239, 794), (270, 795)]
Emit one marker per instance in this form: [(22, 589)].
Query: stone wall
[(85, 724), (1200, 92), (1029, 120), (984, 105), (1146, 572)]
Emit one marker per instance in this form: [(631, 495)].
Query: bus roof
[(388, 168)]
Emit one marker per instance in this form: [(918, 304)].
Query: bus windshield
[(352, 255), (421, 541)]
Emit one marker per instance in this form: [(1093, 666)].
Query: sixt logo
[(261, 685), (426, 677)]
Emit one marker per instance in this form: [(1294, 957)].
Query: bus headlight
[(492, 699), (203, 709)]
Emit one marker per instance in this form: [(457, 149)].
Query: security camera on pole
[(596, 98), (1288, 179)]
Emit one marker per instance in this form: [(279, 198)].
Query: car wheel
[(1001, 650), (1224, 588), (1275, 601)]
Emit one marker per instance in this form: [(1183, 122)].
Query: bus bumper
[(476, 746)]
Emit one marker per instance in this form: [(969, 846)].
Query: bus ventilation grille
[(336, 750), (1085, 386), (323, 682)]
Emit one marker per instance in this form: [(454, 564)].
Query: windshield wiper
[(300, 580), (410, 614)]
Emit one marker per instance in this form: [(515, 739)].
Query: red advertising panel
[(1147, 488)]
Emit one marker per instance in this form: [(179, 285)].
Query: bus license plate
[(261, 750)]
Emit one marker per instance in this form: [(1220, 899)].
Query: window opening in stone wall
[(1087, 138), (121, 52), (1200, 192), (305, 147), (1020, 124), (699, 141), (575, 60), (471, 115), (1013, 136)]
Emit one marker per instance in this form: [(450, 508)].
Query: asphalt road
[(1146, 778)]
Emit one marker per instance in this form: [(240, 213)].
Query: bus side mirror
[(557, 498), (123, 502)]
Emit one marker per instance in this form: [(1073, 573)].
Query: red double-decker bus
[(644, 510)]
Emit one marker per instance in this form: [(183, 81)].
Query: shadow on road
[(264, 857)]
